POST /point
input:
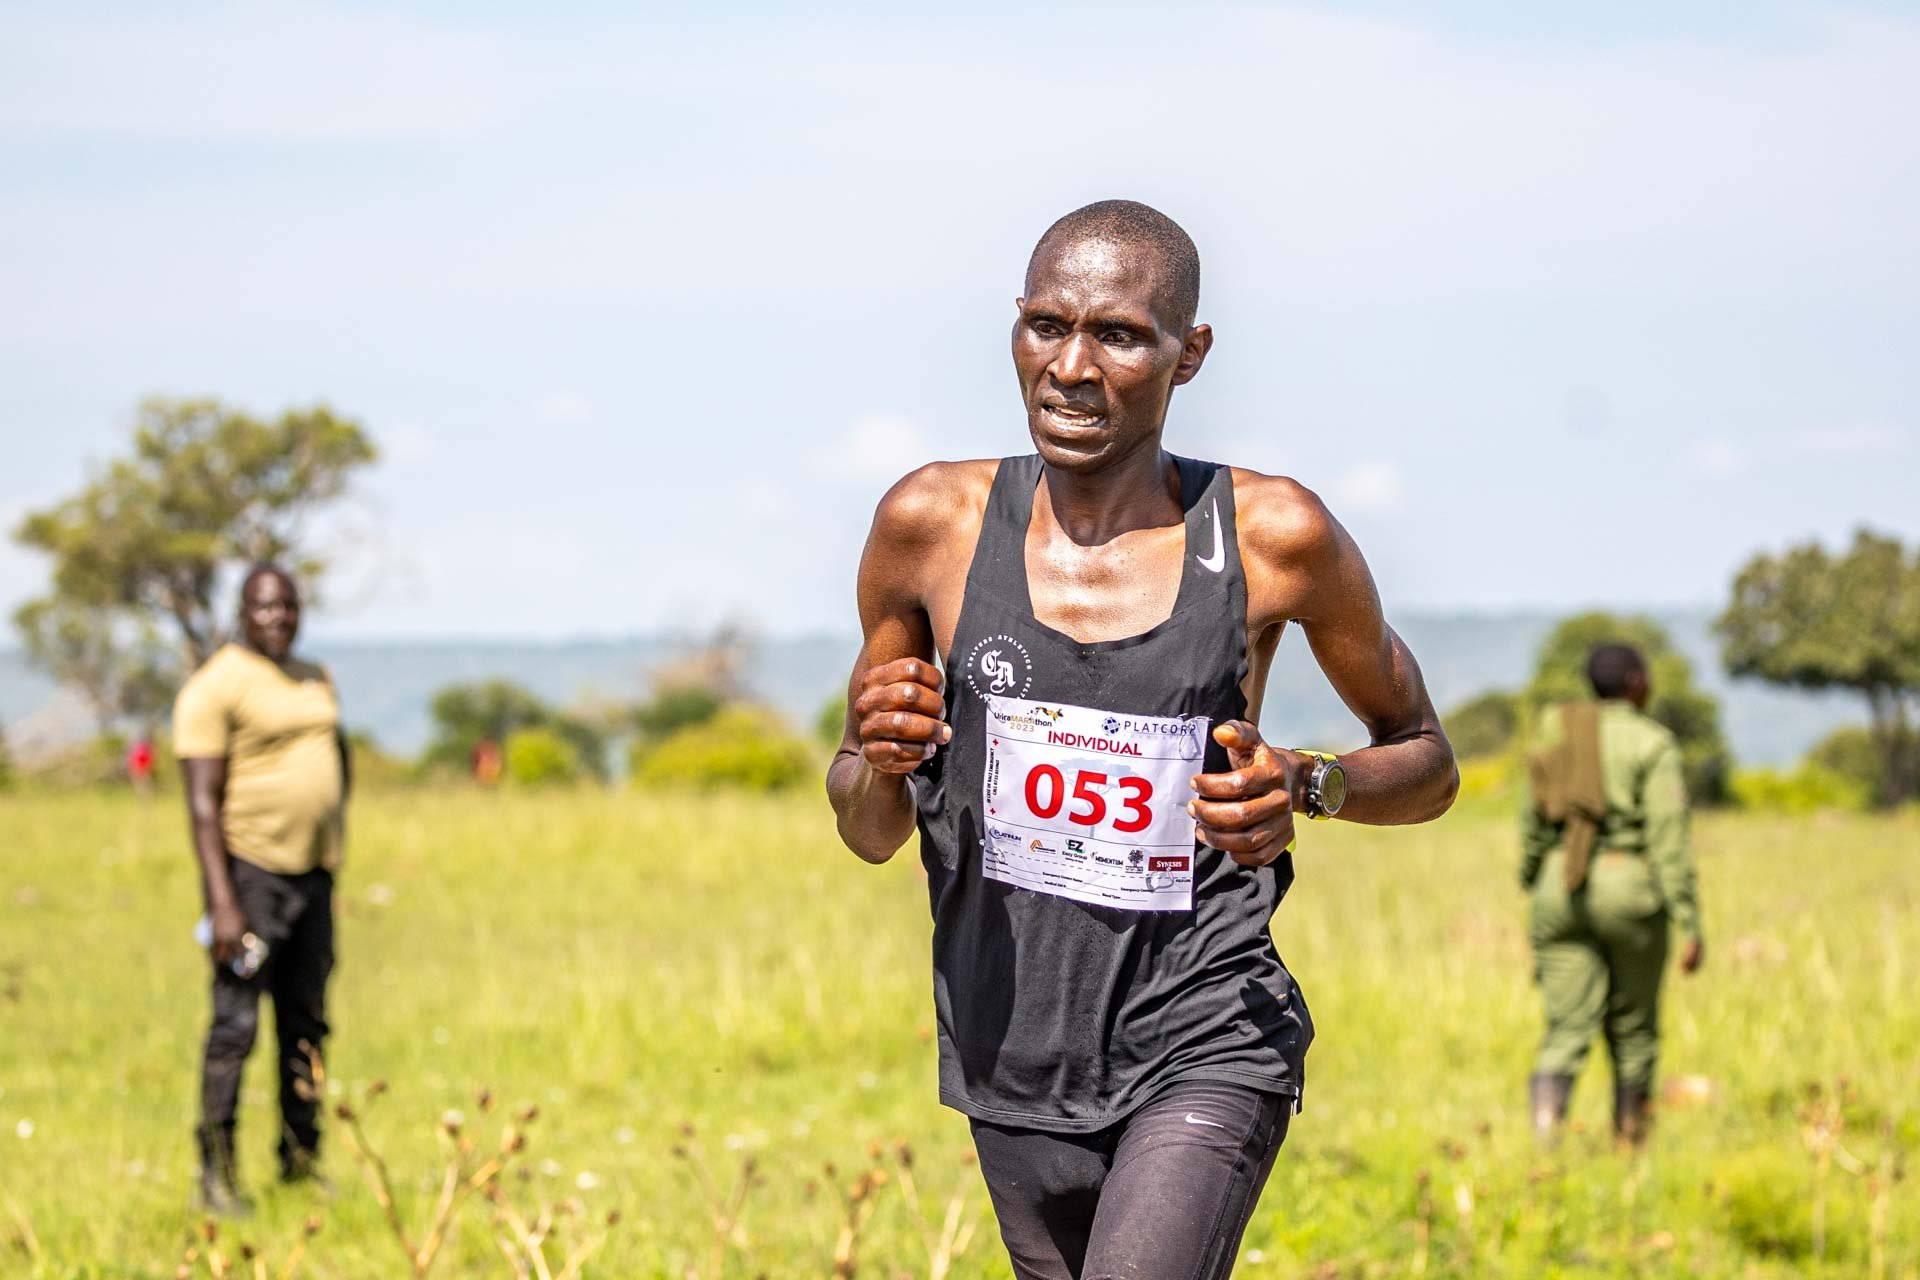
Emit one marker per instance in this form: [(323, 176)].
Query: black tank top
[(1054, 1014)]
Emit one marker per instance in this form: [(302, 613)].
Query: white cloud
[(564, 409), (1369, 487), (1718, 457), (1857, 441), (879, 447)]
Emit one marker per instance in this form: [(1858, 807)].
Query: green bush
[(831, 722), (673, 708), (1483, 725), (740, 747), (1807, 789), (1853, 753), (537, 756)]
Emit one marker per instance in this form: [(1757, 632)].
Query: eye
[(1045, 328), (1118, 338)]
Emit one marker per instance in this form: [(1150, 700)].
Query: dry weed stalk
[(247, 1262), (858, 1202), (1423, 1221), (724, 1206), (524, 1241), (465, 1173), (21, 1236), (956, 1228)]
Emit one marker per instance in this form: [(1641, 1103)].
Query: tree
[(495, 710), (1483, 725), (1810, 620), (146, 543), (1560, 675)]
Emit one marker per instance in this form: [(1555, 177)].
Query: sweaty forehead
[(1096, 271), (268, 585)]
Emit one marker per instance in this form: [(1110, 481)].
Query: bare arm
[(1299, 558), (206, 779), (895, 712)]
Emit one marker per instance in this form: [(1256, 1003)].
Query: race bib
[(1091, 805)]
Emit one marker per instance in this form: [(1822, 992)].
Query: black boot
[(1548, 1096), (218, 1192), (1632, 1117)]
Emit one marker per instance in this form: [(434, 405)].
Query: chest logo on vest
[(999, 666)]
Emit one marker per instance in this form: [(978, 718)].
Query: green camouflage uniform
[(1600, 951)]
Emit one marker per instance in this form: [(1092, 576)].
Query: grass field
[(636, 966)]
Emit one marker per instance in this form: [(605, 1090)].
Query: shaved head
[(1131, 226)]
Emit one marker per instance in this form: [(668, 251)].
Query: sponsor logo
[(1169, 864), (1038, 846), (1194, 1119), (997, 834), (999, 664), (1105, 861), (1134, 858), (1076, 846), (1111, 724), (1218, 560), (1031, 720)]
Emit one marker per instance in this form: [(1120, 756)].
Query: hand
[(1692, 956), (229, 932), (898, 715), (1248, 813)]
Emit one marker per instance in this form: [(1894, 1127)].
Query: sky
[(645, 309)]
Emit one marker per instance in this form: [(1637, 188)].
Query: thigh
[(1636, 948), (1187, 1172), (1045, 1188), (299, 970)]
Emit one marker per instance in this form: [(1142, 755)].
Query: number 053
[(1047, 792)]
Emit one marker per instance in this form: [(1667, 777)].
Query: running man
[(1106, 832), (267, 772)]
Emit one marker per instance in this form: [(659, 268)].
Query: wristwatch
[(1326, 785)]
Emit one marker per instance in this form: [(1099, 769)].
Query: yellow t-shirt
[(277, 725)]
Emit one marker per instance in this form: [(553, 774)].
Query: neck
[(1137, 491)]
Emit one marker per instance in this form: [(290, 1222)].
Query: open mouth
[(1073, 419)]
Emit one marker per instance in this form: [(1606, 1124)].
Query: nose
[(1075, 364)]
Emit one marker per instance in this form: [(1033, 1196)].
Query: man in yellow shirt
[(267, 771)]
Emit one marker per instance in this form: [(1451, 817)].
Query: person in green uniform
[(1610, 871)]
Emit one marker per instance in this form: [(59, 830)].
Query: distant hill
[(386, 685)]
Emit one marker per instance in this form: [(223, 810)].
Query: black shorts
[(1163, 1195)]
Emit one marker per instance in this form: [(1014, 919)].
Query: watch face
[(1333, 788)]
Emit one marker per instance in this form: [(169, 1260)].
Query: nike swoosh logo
[(1193, 1119), (1218, 560)]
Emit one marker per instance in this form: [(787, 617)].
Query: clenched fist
[(1248, 813), (899, 715)]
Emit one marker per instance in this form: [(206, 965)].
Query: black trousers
[(293, 915), (1163, 1195)]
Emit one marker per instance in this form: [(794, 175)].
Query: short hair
[(1611, 666), (1128, 222), (261, 569)]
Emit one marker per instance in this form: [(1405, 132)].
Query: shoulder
[(301, 669), (931, 503), (1280, 522), (215, 675), (1653, 737)]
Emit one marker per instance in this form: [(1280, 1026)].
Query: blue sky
[(646, 311)]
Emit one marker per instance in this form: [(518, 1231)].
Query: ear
[(1193, 353)]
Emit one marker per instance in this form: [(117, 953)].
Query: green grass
[(635, 963)]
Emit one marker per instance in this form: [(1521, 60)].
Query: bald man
[(1060, 685), (267, 773)]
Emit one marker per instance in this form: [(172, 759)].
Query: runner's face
[(270, 615), (1097, 359)]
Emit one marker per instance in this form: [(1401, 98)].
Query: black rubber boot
[(1548, 1097), (1632, 1116), (218, 1192)]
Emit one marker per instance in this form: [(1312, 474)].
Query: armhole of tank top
[(973, 560)]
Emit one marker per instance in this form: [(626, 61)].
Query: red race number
[(1059, 790), (1047, 791)]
